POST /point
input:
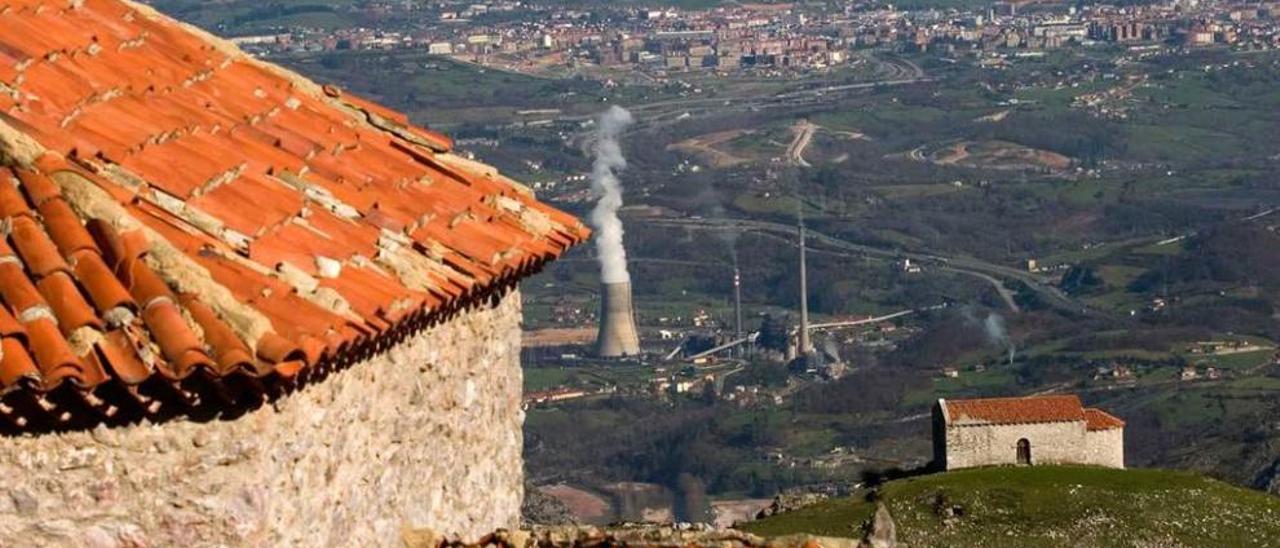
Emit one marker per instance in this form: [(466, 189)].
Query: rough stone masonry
[(427, 434)]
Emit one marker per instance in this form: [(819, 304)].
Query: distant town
[(775, 38)]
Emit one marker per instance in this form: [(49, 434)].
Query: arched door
[(1024, 452)]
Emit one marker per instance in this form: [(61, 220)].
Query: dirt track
[(803, 131), (704, 146), (556, 336)]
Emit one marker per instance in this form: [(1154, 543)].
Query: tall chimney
[(737, 304), (617, 336), (737, 308), (805, 345)]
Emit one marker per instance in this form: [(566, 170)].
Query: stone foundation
[(427, 434)]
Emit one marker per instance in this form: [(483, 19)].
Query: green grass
[(1119, 275), (1157, 249), (761, 205), (993, 381), (1060, 98), (917, 191), (1190, 408), (1053, 506), (1180, 144), (588, 376), (1242, 360), (1261, 384), (841, 517), (245, 17), (969, 381), (545, 378)]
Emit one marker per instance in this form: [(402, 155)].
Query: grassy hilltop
[(1052, 506)]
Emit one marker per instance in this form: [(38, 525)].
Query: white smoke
[(605, 184), (996, 332), (832, 350)]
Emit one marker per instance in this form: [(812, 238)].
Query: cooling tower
[(617, 335)]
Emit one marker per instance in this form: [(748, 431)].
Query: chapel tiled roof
[(1097, 419), (186, 226), (1013, 410)]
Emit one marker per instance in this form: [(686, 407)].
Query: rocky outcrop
[(632, 535), (540, 508), (883, 533), (1269, 478), (789, 502), (796, 498)]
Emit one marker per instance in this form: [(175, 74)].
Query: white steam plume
[(996, 332), (605, 184)]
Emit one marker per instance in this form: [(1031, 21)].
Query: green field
[(1052, 506), (249, 17)]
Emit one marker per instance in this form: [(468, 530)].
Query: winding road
[(804, 131)]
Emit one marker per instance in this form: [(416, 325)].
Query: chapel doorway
[(1024, 452)]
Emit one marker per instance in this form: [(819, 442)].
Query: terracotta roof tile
[(122, 358), (242, 170), (230, 353), (1014, 410), (177, 341), (276, 349), (53, 356), (104, 289), (73, 313), (12, 203), (9, 326), (65, 229), (35, 248), (294, 317), (17, 290), (250, 203), (1097, 419), (16, 365), (143, 283)]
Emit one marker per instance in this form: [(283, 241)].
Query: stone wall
[(1051, 443), (1105, 447), (427, 434)]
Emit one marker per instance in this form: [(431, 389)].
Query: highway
[(814, 327), (895, 72), (996, 274)]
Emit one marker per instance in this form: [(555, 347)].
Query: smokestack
[(806, 346), (617, 336), (737, 304), (737, 309)]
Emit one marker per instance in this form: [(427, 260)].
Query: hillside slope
[(1053, 506)]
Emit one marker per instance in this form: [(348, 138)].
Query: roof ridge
[(1013, 410), (1098, 419)]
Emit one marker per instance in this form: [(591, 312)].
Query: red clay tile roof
[(1013, 410), (1097, 419), (198, 228)]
